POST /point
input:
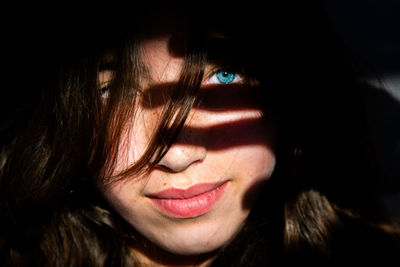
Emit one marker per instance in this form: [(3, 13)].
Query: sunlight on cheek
[(223, 117)]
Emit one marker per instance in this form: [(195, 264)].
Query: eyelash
[(224, 76), (105, 91)]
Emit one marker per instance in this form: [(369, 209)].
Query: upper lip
[(177, 193)]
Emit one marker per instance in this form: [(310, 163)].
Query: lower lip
[(190, 207)]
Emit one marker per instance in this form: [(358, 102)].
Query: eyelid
[(211, 70), (104, 79)]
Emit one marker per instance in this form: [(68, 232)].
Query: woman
[(179, 136)]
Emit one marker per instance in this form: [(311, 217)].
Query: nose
[(187, 150)]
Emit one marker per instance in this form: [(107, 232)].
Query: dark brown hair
[(321, 201)]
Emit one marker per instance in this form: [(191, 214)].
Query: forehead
[(159, 60)]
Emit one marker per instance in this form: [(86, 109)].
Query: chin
[(197, 241)]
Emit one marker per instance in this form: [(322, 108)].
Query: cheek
[(253, 165), (136, 138), (250, 157), (122, 196), (250, 168)]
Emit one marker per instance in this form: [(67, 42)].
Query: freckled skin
[(230, 146)]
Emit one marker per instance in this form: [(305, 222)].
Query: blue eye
[(224, 77)]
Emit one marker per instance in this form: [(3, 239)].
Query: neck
[(154, 256)]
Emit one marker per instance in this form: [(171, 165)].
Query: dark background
[(372, 29)]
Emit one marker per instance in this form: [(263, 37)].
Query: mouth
[(188, 203)]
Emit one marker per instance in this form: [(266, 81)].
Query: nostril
[(175, 168), (165, 168)]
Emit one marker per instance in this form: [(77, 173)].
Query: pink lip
[(188, 203)]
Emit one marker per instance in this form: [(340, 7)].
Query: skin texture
[(229, 144)]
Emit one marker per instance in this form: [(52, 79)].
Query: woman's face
[(198, 196)]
